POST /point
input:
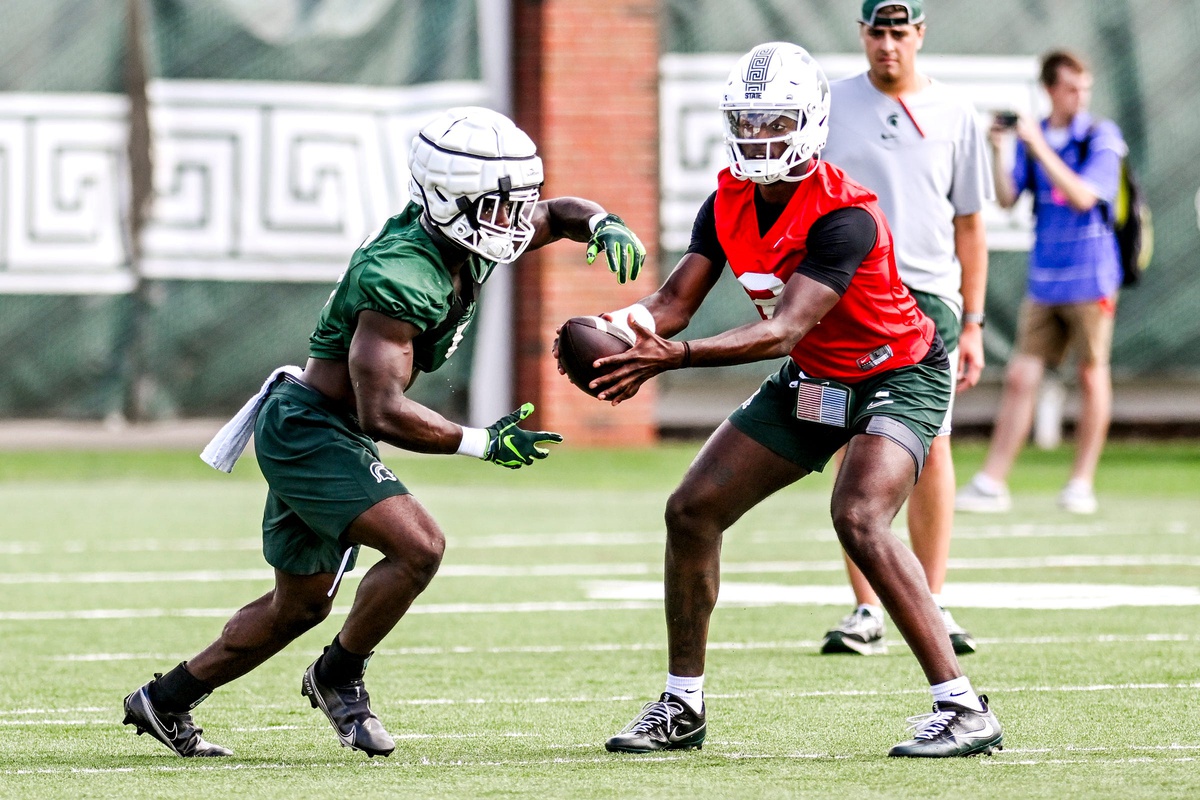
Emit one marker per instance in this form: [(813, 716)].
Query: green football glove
[(512, 447), (622, 248)]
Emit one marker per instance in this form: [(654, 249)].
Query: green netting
[(378, 43), (61, 45)]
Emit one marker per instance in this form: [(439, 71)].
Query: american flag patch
[(820, 402)]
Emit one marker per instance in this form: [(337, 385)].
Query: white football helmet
[(478, 177), (773, 86)]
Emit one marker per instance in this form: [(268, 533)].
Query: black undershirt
[(837, 242)]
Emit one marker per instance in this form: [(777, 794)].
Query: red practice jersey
[(876, 326)]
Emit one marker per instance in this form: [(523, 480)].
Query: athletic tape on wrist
[(637, 311), (595, 220), (474, 442)]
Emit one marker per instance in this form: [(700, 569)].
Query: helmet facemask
[(497, 225), (753, 137), (779, 89)]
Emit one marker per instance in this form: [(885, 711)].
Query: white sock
[(956, 691), (873, 610), (937, 600), (689, 690)]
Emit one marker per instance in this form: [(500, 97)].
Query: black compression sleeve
[(704, 233), (837, 244)]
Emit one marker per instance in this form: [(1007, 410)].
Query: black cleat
[(860, 633), (960, 639), (667, 723), (349, 712), (952, 730), (177, 731)]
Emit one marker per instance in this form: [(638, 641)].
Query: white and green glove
[(621, 246), (513, 447)]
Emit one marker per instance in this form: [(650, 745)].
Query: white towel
[(227, 446)]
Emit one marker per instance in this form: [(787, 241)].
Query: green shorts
[(322, 472), (943, 316), (950, 328), (906, 405)]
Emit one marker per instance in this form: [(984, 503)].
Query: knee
[(1093, 379), (689, 517), (856, 528), (302, 616), (1024, 374), (422, 556), (288, 617)]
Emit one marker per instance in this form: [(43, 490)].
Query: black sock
[(339, 667), (178, 690)]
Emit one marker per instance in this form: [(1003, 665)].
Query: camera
[(1007, 119)]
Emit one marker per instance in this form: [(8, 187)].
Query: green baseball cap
[(871, 9)]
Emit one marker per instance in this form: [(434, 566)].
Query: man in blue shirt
[(1071, 161)]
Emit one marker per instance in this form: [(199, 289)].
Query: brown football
[(581, 341)]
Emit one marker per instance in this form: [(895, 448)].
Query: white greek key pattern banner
[(62, 176), (252, 181), (692, 144)]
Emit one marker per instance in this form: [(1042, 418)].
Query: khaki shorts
[(1049, 331)]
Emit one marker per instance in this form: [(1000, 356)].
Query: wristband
[(687, 355), (973, 316), (595, 220), (474, 442)]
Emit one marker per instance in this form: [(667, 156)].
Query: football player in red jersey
[(809, 246)]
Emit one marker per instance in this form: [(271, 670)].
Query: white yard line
[(595, 538), (627, 595), (1000, 759), (600, 570), (802, 644)]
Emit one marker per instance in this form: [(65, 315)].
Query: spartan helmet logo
[(381, 473)]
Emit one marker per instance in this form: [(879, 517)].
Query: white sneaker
[(1078, 498), (983, 496)]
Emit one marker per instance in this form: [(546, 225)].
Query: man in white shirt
[(918, 146)]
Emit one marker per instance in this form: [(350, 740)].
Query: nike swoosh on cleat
[(672, 737), (986, 731)]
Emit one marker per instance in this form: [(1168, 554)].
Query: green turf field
[(543, 635)]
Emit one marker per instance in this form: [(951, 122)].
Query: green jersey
[(401, 273)]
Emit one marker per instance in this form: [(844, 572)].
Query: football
[(581, 341)]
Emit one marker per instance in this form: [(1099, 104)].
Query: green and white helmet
[(478, 177), (773, 81)]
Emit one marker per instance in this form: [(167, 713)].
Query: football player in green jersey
[(400, 309)]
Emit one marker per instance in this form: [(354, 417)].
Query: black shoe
[(348, 710), (860, 632), (952, 730), (176, 731), (667, 723), (962, 641)]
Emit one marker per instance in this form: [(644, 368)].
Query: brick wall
[(586, 90)]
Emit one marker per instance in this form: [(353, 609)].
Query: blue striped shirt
[(1075, 257)]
